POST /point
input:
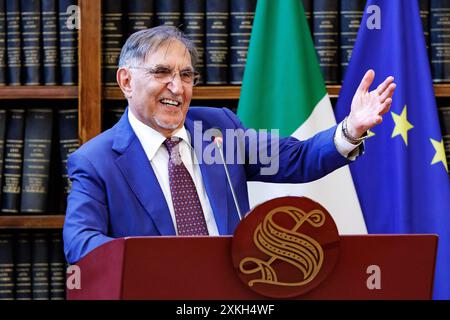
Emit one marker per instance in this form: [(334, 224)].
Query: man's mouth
[(170, 102)]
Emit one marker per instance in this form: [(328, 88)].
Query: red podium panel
[(200, 268)]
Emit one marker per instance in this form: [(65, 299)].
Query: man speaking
[(144, 176)]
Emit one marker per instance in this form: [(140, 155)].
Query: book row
[(34, 146), (38, 42), (444, 118), (38, 38), (221, 31), (32, 265)]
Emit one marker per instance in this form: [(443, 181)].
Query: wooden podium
[(200, 268)]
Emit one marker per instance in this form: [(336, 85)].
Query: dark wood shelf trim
[(89, 70), (442, 90), (200, 93), (333, 90), (217, 92), (32, 222), (209, 92), (113, 93), (38, 92)]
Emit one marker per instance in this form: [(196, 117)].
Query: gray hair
[(146, 41)]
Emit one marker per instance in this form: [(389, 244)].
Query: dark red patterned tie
[(188, 209)]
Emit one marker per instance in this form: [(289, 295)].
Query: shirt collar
[(151, 140)]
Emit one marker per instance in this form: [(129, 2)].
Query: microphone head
[(217, 136), (218, 140)]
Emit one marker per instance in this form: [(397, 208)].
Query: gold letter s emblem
[(288, 245)]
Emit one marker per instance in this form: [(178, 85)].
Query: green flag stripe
[(282, 81)]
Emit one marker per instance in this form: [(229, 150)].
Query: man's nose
[(176, 85)]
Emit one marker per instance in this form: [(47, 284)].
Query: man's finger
[(383, 86), (378, 120), (373, 121), (392, 90), (388, 93), (385, 106), (366, 81)]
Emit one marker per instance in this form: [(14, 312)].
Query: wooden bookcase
[(90, 95)]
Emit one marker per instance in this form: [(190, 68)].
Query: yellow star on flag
[(401, 125), (370, 134), (440, 153)]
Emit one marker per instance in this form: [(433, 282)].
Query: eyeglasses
[(165, 75)]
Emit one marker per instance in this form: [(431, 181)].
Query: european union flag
[(402, 180)]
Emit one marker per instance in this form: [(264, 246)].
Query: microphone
[(218, 141)]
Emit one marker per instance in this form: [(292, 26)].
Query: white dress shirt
[(344, 147), (158, 156)]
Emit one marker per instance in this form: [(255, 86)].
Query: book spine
[(241, 21), (307, 8), (6, 265), (424, 6), (56, 198), (13, 42), (444, 117), (68, 44), (112, 37), (36, 160), (112, 116), (168, 13), (326, 38), (140, 15), (31, 41), (194, 28), (439, 35), (217, 16), (22, 252), (50, 48), (68, 140), (57, 267), (12, 171), (351, 16), (2, 43), (40, 266), (2, 144)]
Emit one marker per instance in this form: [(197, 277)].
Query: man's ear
[(123, 76)]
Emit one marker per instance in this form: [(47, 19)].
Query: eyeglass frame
[(152, 71)]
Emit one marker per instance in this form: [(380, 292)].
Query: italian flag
[(283, 89)]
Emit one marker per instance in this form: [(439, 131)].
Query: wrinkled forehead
[(172, 53)]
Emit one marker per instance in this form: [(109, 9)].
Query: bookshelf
[(32, 222), (89, 70), (233, 92), (208, 92), (200, 93), (90, 96), (111, 93), (38, 92)]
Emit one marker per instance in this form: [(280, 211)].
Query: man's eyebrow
[(187, 69), (166, 66), (162, 66)]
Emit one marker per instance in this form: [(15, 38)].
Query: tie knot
[(171, 143)]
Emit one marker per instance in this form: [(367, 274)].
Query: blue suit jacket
[(115, 192)]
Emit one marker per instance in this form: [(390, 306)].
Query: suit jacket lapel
[(214, 179), (136, 169)]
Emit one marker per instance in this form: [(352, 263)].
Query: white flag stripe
[(336, 192)]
